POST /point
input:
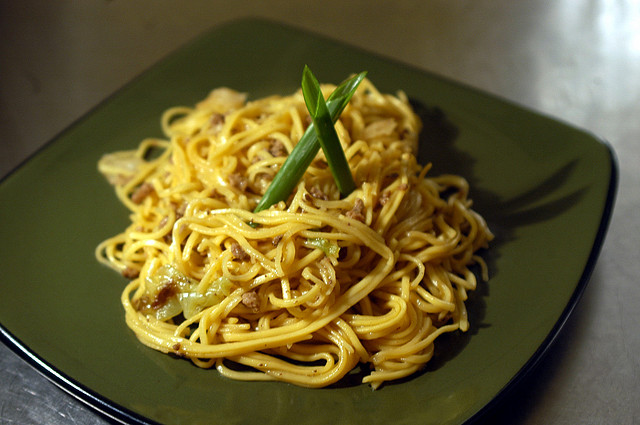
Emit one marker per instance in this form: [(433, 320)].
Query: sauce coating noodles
[(306, 290)]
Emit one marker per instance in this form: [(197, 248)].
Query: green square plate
[(546, 188)]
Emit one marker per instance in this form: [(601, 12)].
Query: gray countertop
[(578, 61)]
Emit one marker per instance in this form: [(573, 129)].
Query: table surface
[(576, 60)]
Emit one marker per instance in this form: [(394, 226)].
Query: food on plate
[(314, 285)]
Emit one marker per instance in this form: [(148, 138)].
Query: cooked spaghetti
[(308, 289)]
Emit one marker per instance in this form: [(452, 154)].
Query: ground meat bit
[(142, 304), (216, 122), (251, 300), (130, 273), (177, 350), (166, 291), (318, 194), (275, 241), (239, 253), (180, 210), (213, 194), (307, 121), (147, 304), (320, 164), (356, 212), (266, 177), (238, 181), (384, 198), (216, 119), (167, 236), (142, 191), (277, 148)]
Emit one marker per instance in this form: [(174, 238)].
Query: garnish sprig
[(307, 147), (327, 136)]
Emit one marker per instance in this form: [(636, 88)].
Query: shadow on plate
[(437, 145)]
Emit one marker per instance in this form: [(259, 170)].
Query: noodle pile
[(306, 290)]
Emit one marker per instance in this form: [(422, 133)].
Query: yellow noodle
[(304, 291)]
